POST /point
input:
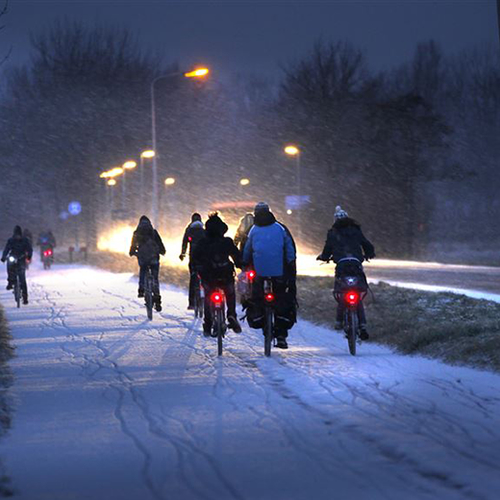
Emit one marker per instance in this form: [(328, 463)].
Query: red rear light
[(217, 298), (352, 298), (251, 275), (269, 297), (47, 253)]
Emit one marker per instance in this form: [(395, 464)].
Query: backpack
[(148, 252)]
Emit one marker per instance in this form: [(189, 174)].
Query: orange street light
[(149, 153), (169, 181), (128, 165), (197, 73), (104, 175), (114, 172), (245, 182), (292, 150), (111, 182)]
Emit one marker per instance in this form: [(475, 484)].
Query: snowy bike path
[(107, 405)]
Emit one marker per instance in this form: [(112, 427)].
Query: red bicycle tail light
[(251, 275), (217, 298), (269, 297), (352, 298)]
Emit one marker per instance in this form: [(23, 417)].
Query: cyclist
[(46, 240), (211, 258), (241, 236), (347, 246), (192, 235), (19, 247), (270, 249), (147, 246)]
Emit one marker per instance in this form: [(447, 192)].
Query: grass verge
[(6, 353), (446, 326)]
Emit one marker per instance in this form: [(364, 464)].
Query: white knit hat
[(339, 213)]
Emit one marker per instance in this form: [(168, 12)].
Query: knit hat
[(340, 214), (261, 207)]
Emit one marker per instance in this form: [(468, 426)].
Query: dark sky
[(258, 35)]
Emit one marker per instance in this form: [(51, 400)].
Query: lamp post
[(294, 151), (197, 73), (128, 165), (147, 154)]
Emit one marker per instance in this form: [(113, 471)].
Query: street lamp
[(169, 181), (128, 165), (111, 182), (196, 73), (245, 182), (145, 155), (294, 151)]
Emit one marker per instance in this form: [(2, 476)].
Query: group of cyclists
[(262, 244)]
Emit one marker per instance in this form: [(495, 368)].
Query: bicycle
[(218, 312), (269, 319), (199, 296), (148, 292), (350, 291), (14, 264)]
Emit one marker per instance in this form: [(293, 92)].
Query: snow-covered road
[(107, 405)]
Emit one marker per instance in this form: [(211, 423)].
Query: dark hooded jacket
[(146, 243), (192, 235), (211, 256), (345, 239), (18, 246)]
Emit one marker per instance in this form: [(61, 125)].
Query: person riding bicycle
[(271, 251), (147, 246), (46, 241), (211, 258), (19, 247), (192, 235), (241, 236), (347, 246)]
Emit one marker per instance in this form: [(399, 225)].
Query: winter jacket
[(270, 247), (345, 239), (46, 240), (146, 243), (18, 246), (241, 236), (211, 256), (192, 235)]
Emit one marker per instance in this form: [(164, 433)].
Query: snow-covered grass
[(6, 353), (444, 325)]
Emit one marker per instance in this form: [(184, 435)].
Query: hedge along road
[(110, 406)]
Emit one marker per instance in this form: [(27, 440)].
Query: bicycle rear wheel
[(352, 332), (17, 292), (148, 295), (220, 330), (268, 332)]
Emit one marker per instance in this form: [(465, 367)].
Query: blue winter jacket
[(268, 247)]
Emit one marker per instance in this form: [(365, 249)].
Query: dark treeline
[(412, 153)]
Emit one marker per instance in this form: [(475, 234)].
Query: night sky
[(258, 36)]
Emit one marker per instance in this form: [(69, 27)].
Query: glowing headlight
[(12, 259)]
